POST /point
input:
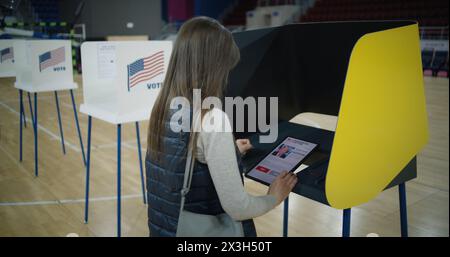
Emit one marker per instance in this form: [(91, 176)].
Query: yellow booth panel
[(382, 121)]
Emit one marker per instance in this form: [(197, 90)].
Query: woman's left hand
[(243, 145)]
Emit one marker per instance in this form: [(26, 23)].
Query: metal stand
[(138, 137), (119, 172), (119, 180), (59, 122), (346, 222), (286, 217), (35, 126), (34, 118), (403, 210), (20, 122), (78, 126), (88, 165)]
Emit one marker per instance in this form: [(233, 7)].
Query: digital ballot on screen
[(285, 157)]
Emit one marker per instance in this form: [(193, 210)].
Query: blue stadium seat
[(427, 58), (439, 61)]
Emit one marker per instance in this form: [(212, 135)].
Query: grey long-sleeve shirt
[(216, 148)]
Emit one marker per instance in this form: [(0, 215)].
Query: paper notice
[(106, 61)]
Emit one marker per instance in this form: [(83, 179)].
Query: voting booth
[(369, 76), (8, 56), (43, 66), (121, 81), (7, 59)]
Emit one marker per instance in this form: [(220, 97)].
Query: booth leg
[(286, 217), (119, 127), (22, 109), (140, 162), (35, 124), (78, 126), (346, 223), (59, 122), (21, 124), (24, 119), (88, 165), (403, 210), (31, 108)]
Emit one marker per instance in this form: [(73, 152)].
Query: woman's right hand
[(282, 186)]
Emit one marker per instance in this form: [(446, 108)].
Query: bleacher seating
[(237, 16), (443, 71), (435, 63), (432, 16), (46, 10), (439, 61), (427, 58), (426, 12)]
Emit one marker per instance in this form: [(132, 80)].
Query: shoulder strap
[(187, 175), (196, 121)]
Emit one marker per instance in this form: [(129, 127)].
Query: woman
[(202, 57)]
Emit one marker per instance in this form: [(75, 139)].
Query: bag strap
[(187, 174)]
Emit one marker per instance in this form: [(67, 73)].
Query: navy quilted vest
[(164, 179)]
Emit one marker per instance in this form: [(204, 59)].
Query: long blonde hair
[(202, 57)]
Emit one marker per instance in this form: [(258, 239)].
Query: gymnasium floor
[(53, 205)]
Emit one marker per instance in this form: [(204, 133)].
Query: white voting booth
[(7, 58), (121, 81), (43, 66)]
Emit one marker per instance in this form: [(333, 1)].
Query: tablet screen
[(286, 156)]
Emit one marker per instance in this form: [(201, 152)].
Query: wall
[(109, 17)]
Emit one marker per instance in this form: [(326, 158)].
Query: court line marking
[(69, 201), (127, 143), (45, 130), (48, 97), (53, 136), (53, 202), (70, 145)]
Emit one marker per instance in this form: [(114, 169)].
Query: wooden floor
[(52, 204)]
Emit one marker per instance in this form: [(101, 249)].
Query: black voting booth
[(305, 66)]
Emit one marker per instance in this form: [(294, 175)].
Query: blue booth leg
[(403, 210), (24, 117), (138, 137), (78, 126), (22, 109), (21, 124), (119, 127), (36, 171), (59, 122), (31, 108), (286, 217), (88, 165), (346, 223)]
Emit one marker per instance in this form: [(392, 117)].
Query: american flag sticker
[(7, 54), (145, 69), (52, 58)]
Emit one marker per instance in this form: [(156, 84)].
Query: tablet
[(288, 155)]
